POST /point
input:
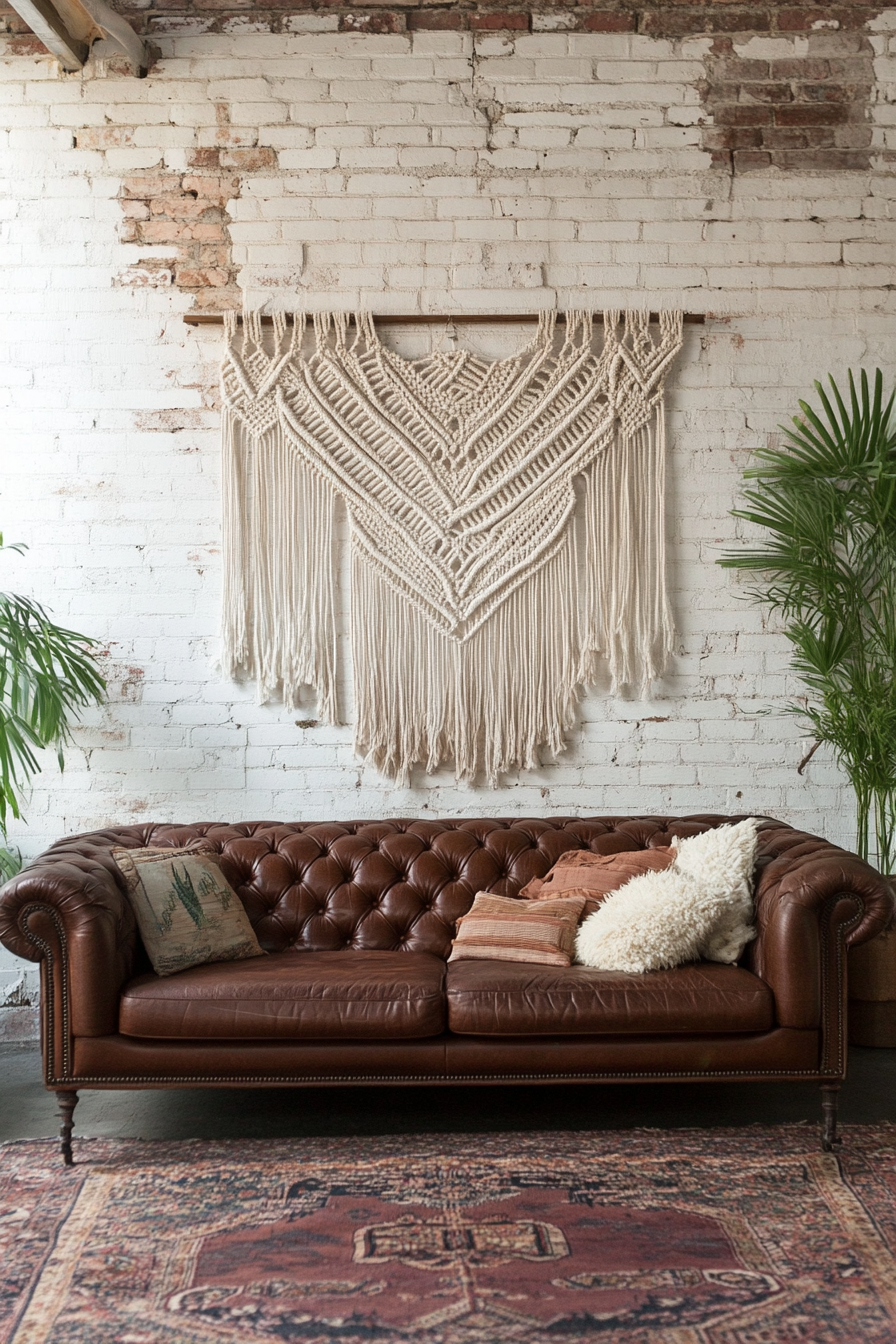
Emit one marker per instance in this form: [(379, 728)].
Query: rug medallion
[(746, 1236)]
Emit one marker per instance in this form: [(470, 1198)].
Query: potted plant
[(47, 675), (827, 499)]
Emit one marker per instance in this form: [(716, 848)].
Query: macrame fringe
[(626, 614), (489, 703), (279, 624), (479, 607)]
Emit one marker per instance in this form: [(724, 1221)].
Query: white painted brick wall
[(428, 171)]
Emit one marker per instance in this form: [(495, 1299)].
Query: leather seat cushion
[(292, 995), (496, 998)]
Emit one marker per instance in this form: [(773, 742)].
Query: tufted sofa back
[(322, 886)]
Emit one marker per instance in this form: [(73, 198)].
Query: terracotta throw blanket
[(482, 598)]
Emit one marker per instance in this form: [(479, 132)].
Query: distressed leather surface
[(398, 886), (518, 999), (780, 1052), (125, 1061), (292, 995)]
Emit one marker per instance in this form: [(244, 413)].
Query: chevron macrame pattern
[(479, 605)]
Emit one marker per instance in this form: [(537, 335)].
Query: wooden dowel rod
[(413, 319)]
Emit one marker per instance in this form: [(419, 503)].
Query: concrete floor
[(28, 1111)]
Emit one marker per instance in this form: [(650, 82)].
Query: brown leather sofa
[(357, 919)]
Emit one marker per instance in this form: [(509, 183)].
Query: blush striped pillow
[(498, 928), (593, 876)]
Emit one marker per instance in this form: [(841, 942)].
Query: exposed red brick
[(383, 21), (796, 69), (744, 114), (735, 70), (26, 46), (609, 21), (211, 277), (851, 69), (802, 20), (831, 92), (180, 206), (685, 22), (726, 91), (187, 212), (219, 188), (181, 231), (802, 114), (749, 160), (666, 17), (809, 109), (163, 231), (822, 160), (248, 160), (150, 185), (204, 158), (766, 93), (792, 137), (747, 137), (436, 20), (815, 105), (499, 21)]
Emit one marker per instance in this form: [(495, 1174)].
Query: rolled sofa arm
[(68, 911), (813, 901)]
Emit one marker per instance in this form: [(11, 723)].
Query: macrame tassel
[(236, 610), (279, 549), (489, 703), (626, 613)]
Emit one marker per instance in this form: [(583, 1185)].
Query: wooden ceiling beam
[(44, 21), (68, 29)]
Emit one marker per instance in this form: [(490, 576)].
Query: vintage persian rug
[(640, 1237), (482, 597)]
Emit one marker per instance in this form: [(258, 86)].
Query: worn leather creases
[(357, 918)]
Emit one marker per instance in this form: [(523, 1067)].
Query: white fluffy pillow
[(698, 908)]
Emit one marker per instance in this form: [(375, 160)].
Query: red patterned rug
[(642, 1237)]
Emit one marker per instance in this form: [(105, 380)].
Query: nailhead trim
[(840, 936), (235, 1080), (48, 1009)]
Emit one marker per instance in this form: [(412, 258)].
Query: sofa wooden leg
[(67, 1103), (830, 1097)]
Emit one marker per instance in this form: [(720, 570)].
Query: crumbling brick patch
[(658, 18), (381, 21), (804, 109), (187, 211), (802, 112)]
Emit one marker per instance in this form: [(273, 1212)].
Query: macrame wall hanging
[(482, 599)]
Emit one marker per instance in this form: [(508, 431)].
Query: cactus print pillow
[(186, 910)]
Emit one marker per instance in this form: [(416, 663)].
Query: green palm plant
[(47, 675), (827, 498)]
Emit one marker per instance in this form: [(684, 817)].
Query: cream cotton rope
[(480, 602)]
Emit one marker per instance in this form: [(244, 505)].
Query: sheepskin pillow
[(698, 908)]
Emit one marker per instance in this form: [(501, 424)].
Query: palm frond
[(827, 502), (48, 674)]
